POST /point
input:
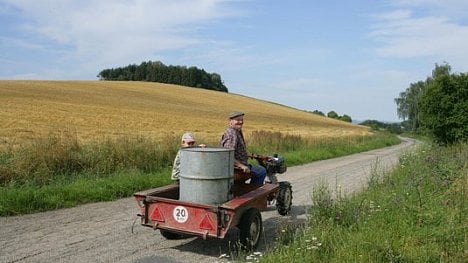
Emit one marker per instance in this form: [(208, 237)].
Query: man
[(187, 141), (234, 139)]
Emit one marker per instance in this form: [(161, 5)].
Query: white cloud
[(452, 8), (110, 32), (435, 30), (404, 35)]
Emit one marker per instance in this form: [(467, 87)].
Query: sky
[(353, 57)]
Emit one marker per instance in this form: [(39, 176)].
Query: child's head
[(188, 140)]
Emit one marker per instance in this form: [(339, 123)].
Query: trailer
[(160, 208)]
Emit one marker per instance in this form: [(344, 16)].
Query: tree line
[(394, 127), (437, 106), (332, 114), (156, 71)]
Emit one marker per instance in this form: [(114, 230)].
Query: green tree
[(346, 118), (318, 113), (444, 106), (407, 104), (332, 114), (158, 72)]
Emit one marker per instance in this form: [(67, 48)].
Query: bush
[(444, 108)]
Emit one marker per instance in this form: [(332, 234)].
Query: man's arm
[(243, 167), (229, 141)]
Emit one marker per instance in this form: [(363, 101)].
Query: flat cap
[(235, 114)]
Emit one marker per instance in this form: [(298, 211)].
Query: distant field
[(98, 109)]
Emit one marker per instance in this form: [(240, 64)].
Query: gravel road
[(109, 231)]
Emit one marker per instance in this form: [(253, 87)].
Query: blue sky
[(353, 57)]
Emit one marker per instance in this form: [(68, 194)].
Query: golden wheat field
[(92, 110)]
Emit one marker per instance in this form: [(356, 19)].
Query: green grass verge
[(415, 214), (59, 172), (62, 193)]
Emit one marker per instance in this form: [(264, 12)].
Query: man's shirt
[(233, 139)]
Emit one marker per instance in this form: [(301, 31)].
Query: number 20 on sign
[(180, 214)]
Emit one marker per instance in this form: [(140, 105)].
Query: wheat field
[(93, 110)]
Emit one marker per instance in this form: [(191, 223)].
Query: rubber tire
[(284, 198), (171, 235), (251, 228)]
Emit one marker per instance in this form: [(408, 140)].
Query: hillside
[(97, 109)]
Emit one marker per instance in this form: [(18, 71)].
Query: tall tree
[(407, 104), (437, 106), (444, 106)]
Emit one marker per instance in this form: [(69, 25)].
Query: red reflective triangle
[(206, 223), (156, 215)]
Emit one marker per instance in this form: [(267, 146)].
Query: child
[(187, 141)]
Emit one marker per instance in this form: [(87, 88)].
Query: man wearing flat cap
[(234, 139)]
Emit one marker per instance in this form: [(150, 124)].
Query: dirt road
[(107, 232)]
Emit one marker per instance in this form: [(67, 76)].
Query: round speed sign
[(180, 214)]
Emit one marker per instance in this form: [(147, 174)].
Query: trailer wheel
[(250, 228), (284, 198), (171, 235)]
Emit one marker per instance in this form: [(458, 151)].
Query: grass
[(297, 150), (59, 171), (63, 192), (415, 214)]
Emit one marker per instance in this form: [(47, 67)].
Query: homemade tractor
[(213, 197)]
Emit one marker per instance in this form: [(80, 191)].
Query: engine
[(275, 164)]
